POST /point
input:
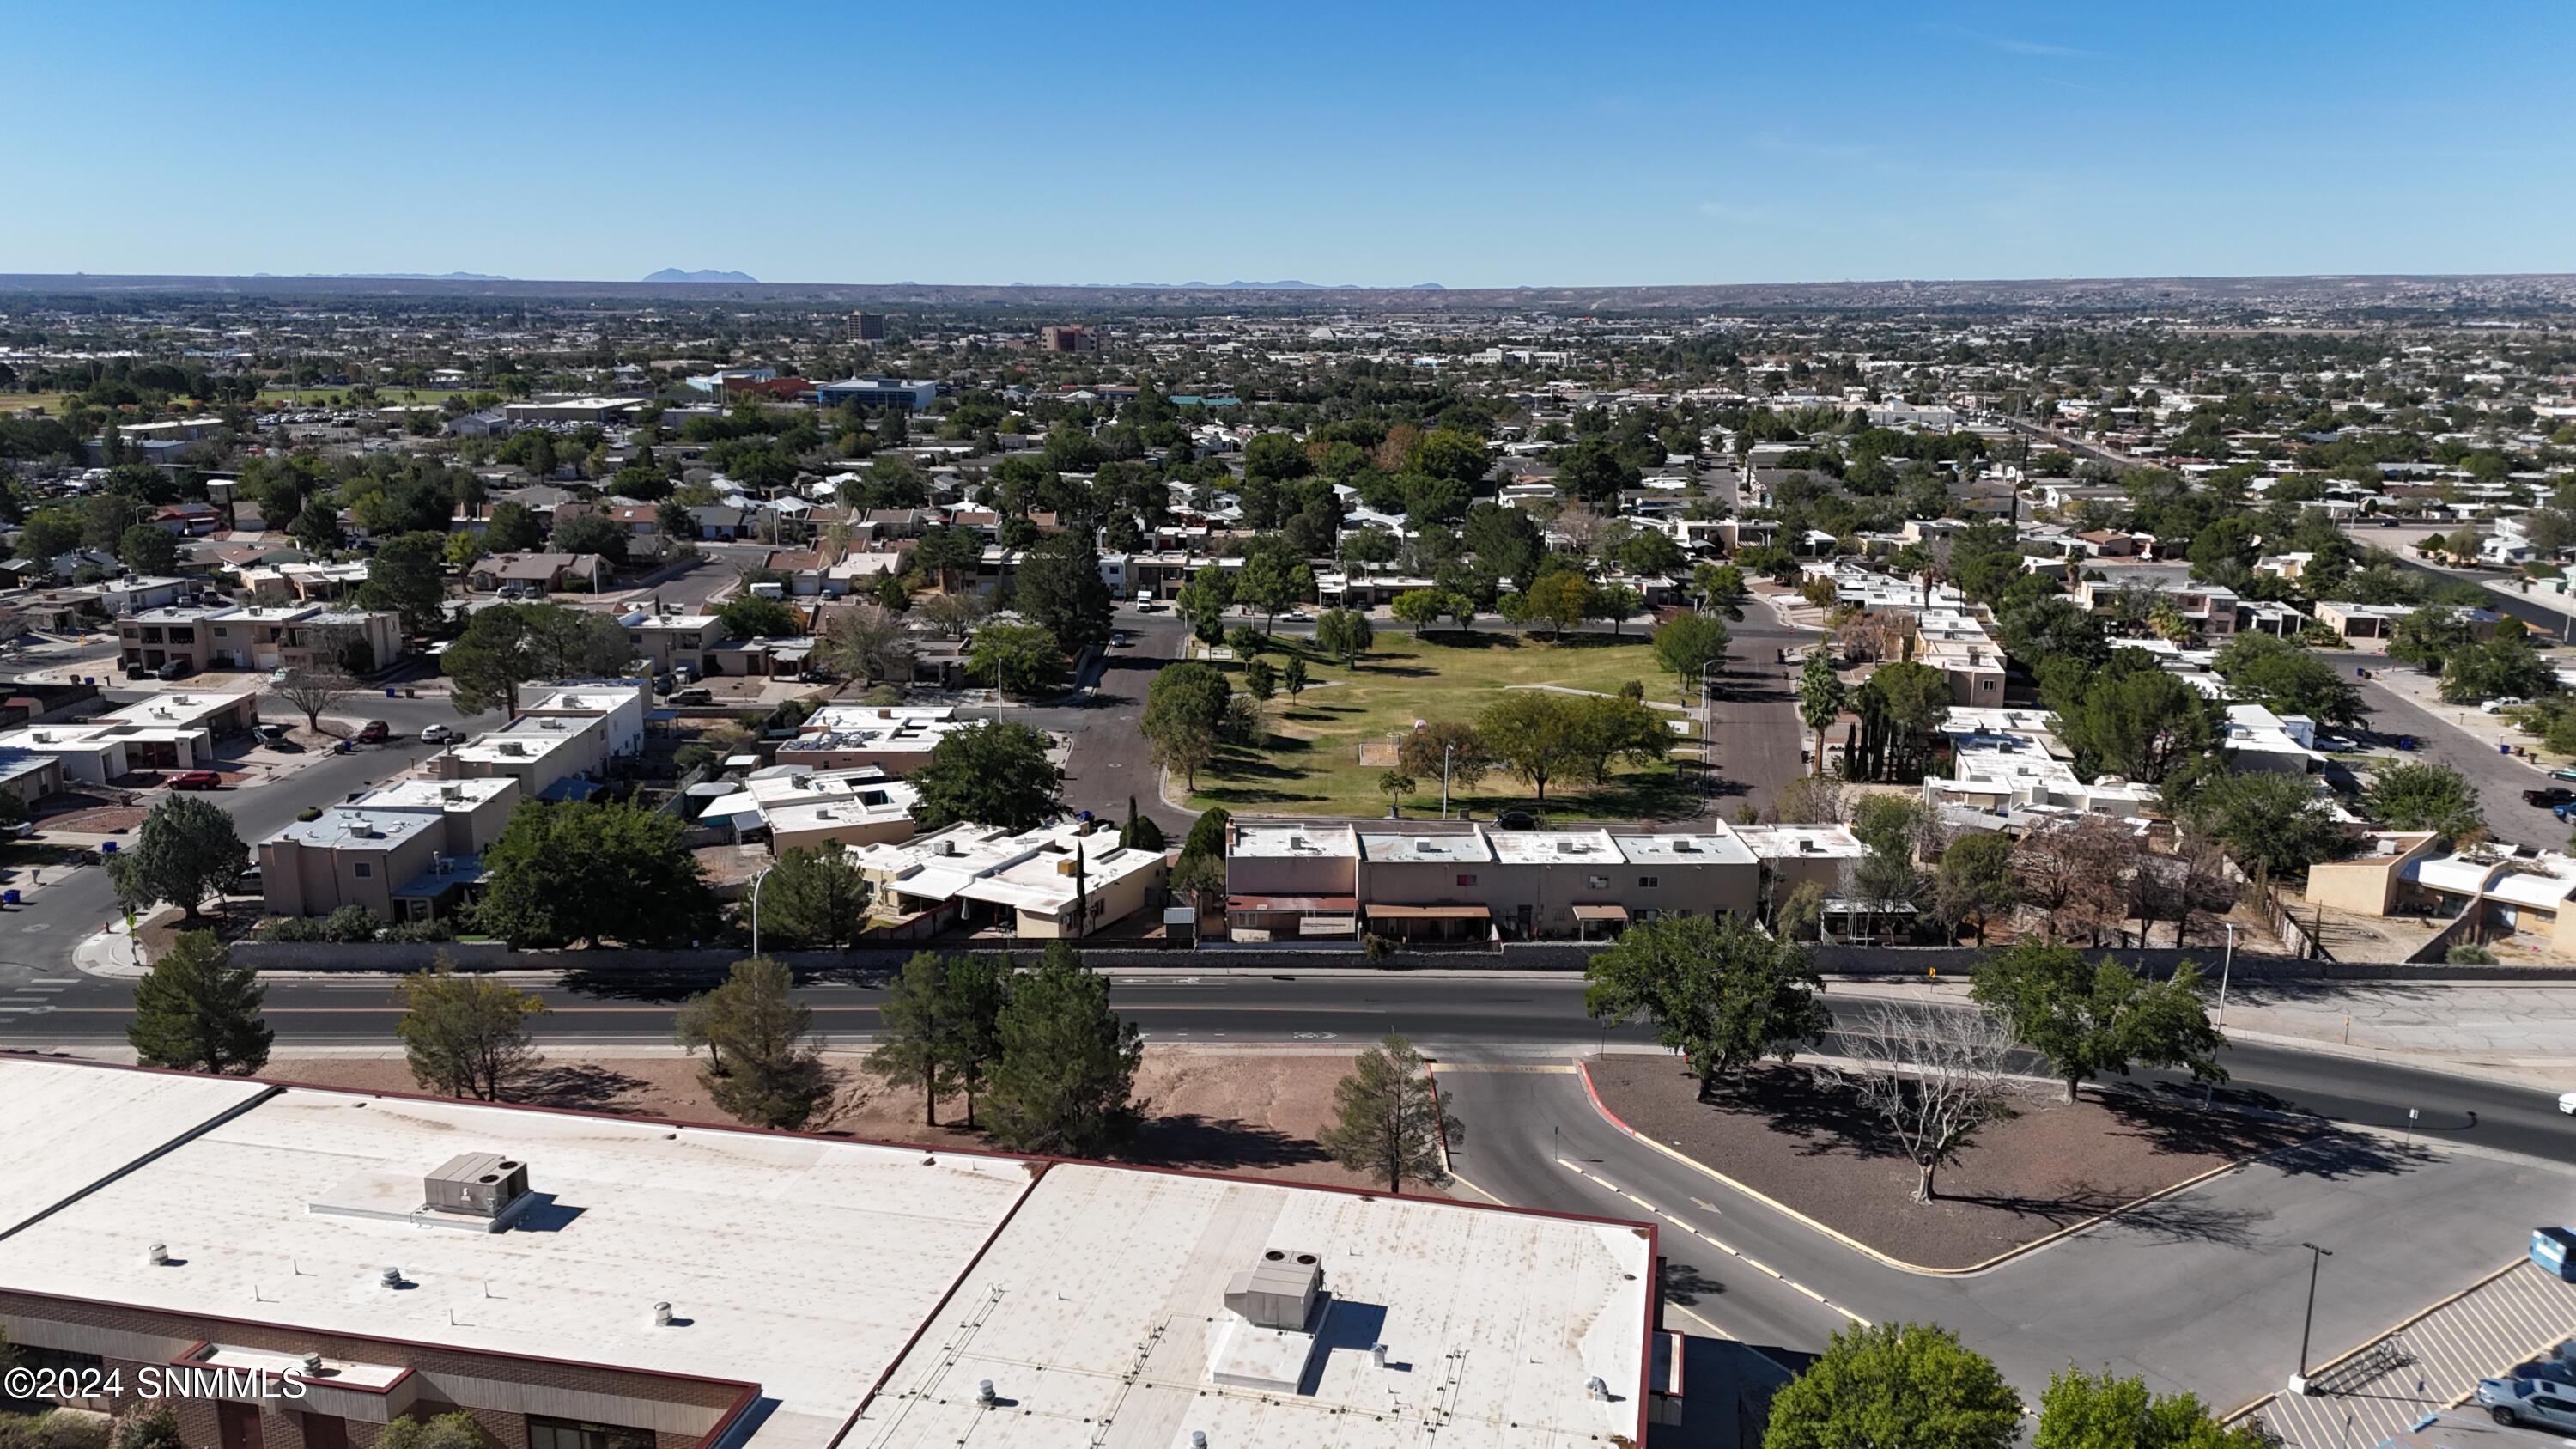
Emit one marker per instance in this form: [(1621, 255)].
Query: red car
[(196, 780), (373, 732)]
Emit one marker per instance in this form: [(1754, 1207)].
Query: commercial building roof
[(356, 826), (1267, 841), (834, 1274), (1461, 847)]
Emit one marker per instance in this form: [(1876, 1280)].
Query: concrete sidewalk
[(2510, 1033)]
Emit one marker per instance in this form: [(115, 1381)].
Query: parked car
[(374, 732), (2567, 1103), (2541, 1402), (1117, 638), (1297, 616), (1516, 820), (439, 734), (693, 695), (196, 780), (269, 734), (2550, 797), (175, 669), (280, 676), (138, 671), (2499, 706)]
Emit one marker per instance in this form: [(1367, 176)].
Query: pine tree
[(1066, 1079), (765, 1068), (197, 1012), (1388, 1120)]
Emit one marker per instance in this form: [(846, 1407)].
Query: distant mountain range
[(1291, 285), (400, 276), (675, 274)]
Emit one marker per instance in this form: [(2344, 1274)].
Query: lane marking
[(1712, 1240)]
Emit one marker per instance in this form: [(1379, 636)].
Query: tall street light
[(2308, 1321), (756, 883)]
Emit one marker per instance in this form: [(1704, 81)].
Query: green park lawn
[(1310, 763)]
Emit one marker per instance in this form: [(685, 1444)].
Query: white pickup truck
[(2542, 1402)]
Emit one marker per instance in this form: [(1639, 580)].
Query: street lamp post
[(1445, 752), (1707, 739), (756, 883), (2308, 1320), (2226, 963)]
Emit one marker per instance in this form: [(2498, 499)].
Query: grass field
[(48, 403), (51, 403), (1310, 765)]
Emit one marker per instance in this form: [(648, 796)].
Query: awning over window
[(1342, 905), (1431, 913), (1601, 913)]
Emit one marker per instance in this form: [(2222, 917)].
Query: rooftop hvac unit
[(476, 1184), (1277, 1292)]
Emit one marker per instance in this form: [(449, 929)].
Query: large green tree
[(408, 574), (2504, 667), (185, 850), (2140, 722), (1061, 591), (1689, 644), (814, 898), (507, 645), (2416, 795), (1020, 659), (1065, 1081), (590, 871), (2087, 1018), (2284, 678), (197, 1012), (1721, 992), (1534, 735), (1188, 710), (466, 1036), (2101, 1411), (1896, 1386), (995, 773), (940, 1026)]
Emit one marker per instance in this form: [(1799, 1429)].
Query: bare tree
[(1934, 1075), (313, 690), (2077, 878)]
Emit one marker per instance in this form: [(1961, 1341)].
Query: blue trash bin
[(107, 847), (8, 898)]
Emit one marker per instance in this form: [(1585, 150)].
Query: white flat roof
[(341, 825), (1497, 1319), (69, 1129), (1549, 847), (1387, 846), (1715, 848), (417, 794), (1091, 1295), (1262, 842), (801, 1265)]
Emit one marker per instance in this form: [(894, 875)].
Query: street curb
[(1864, 1249), (2384, 1056)]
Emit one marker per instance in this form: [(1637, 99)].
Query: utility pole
[(1445, 752)]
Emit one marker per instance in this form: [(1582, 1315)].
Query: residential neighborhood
[(1652, 728)]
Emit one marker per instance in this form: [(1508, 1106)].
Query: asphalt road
[(2500, 779), (1466, 1016), (1110, 760), (1754, 730)]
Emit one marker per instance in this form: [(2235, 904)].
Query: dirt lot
[(1251, 1113), (2049, 1167)]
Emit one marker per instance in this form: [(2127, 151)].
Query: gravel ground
[(1253, 1114), (1814, 1148)]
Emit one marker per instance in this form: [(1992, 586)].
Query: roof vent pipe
[(158, 1255), (1593, 1387), (390, 1277), (313, 1365), (1377, 1354), (661, 1315), (984, 1394)]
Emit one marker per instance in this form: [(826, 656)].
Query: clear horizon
[(1476, 147)]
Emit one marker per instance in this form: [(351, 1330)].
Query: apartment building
[(669, 639), (571, 1280), (896, 739), (799, 808), (1465, 882), (258, 636)]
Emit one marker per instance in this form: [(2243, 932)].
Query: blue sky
[(1469, 144)]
